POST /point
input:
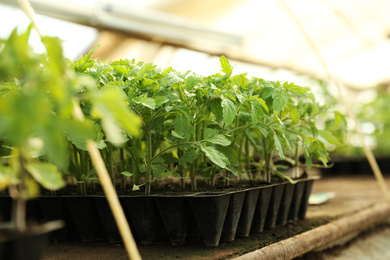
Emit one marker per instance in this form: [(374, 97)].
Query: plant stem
[(123, 167), (296, 166), (19, 204), (109, 163), (248, 167), (149, 161), (212, 181), (194, 185)]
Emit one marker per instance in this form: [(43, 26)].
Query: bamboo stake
[(112, 198), (367, 151)]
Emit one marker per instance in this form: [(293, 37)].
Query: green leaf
[(228, 110), (145, 68), (142, 168), (135, 187), (294, 115), (110, 107), (278, 145), (225, 65), (216, 109), (189, 156), (215, 156), (55, 144), (267, 92), (214, 137), (55, 53), (46, 174), (300, 91), (327, 137), (230, 154), (145, 101), (157, 170), (240, 80), (183, 126), (172, 78), (280, 98), (177, 135), (257, 106), (126, 173), (79, 131), (232, 169), (160, 100), (158, 160), (137, 153)]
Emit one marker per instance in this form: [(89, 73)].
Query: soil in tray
[(193, 251)]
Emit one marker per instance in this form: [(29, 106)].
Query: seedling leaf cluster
[(152, 124)]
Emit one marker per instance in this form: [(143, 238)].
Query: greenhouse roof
[(350, 37)]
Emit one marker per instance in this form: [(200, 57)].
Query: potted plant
[(222, 128)]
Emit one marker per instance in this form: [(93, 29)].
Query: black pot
[(261, 209), (5, 208), (248, 210), (296, 200), (305, 199), (107, 219), (26, 245), (175, 214), (233, 216), (84, 216), (143, 212), (209, 210), (274, 204), (285, 204), (54, 208)]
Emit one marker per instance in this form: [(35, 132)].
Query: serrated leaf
[(256, 111), (219, 139), (225, 65), (280, 98), (177, 135), (267, 92), (228, 110), (183, 126), (189, 156), (171, 78), (145, 68), (216, 109), (300, 91), (46, 174), (157, 170), (210, 133), (145, 101), (278, 146), (160, 100), (215, 156), (240, 80)]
